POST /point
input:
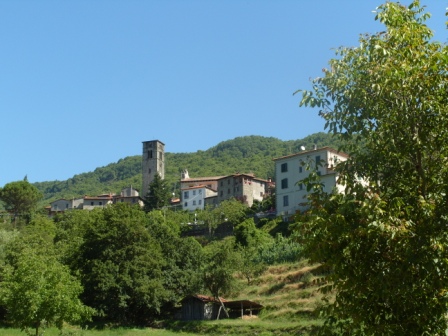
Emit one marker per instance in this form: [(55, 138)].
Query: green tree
[(120, 266), (221, 261), (248, 235), (183, 259), (158, 195), (232, 211), (20, 197), (385, 237), (38, 291)]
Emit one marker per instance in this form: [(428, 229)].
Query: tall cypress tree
[(158, 195)]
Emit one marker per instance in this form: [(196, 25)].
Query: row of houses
[(196, 193), (127, 195), (291, 195)]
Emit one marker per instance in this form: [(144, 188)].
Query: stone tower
[(153, 161)]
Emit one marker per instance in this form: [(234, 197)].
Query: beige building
[(289, 170), (244, 187), (62, 205), (101, 201), (128, 195)]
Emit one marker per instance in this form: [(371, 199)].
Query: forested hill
[(248, 154)]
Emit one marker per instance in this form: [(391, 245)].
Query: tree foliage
[(159, 194), (36, 288), (39, 291), (385, 237), (120, 266), (20, 197), (221, 262)]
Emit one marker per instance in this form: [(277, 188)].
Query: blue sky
[(83, 83)]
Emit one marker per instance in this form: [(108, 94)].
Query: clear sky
[(83, 83)]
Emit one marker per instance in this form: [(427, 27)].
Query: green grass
[(106, 332)]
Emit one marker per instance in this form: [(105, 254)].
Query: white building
[(291, 195), (197, 197)]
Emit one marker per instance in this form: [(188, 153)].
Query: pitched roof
[(201, 179), (329, 149)]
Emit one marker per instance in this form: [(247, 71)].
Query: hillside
[(244, 154), (291, 298)]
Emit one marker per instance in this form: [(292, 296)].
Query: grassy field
[(289, 293)]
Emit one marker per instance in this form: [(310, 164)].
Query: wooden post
[(222, 306), (219, 312), (242, 310)]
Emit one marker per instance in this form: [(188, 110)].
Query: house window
[(185, 204), (200, 191), (317, 161), (194, 202), (300, 169), (222, 182), (91, 203), (284, 167), (221, 193), (200, 202), (284, 183), (150, 154), (185, 194), (300, 186), (194, 192), (228, 191), (285, 200), (100, 203)]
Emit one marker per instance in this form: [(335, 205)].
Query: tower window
[(150, 154)]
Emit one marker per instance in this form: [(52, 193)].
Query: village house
[(213, 190), (198, 197), (128, 195), (289, 170), (244, 187)]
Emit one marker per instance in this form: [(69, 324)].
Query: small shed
[(201, 307), (242, 307)]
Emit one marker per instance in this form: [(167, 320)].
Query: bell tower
[(153, 162)]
